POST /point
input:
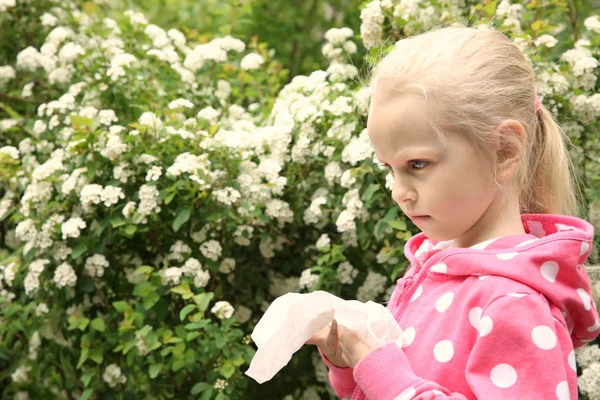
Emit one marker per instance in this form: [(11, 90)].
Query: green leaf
[(178, 364), (82, 357), (227, 369), (197, 325), (121, 306), (87, 393), (370, 191), (200, 387), (192, 335), (181, 218), (397, 224), (155, 370), (170, 197), (130, 230), (78, 250), (207, 395), (238, 360), (186, 310), (98, 324), (83, 323), (144, 269), (97, 355), (77, 121), (203, 300), (118, 221)]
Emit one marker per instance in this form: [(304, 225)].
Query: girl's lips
[(419, 218)]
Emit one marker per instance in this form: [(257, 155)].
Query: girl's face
[(446, 190)]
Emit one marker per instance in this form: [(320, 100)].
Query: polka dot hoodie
[(498, 320)]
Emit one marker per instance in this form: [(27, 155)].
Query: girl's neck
[(499, 220)]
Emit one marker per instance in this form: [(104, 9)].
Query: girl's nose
[(402, 191)]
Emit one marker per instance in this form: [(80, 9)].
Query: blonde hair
[(481, 78)]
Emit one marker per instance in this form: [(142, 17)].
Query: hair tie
[(538, 102)]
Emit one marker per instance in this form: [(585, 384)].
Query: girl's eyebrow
[(414, 153)]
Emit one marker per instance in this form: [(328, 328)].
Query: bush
[(164, 191)]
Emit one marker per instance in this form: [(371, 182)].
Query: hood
[(549, 258)]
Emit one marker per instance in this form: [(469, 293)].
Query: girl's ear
[(511, 134)]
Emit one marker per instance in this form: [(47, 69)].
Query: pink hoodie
[(498, 320)]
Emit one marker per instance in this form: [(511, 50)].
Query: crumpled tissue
[(294, 318)]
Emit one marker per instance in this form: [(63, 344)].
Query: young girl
[(496, 297)]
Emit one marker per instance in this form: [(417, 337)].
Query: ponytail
[(550, 186)]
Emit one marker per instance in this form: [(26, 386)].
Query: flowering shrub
[(164, 192)]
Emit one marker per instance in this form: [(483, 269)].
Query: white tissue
[(293, 318)]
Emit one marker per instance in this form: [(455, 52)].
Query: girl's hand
[(353, 348), (342, 347), (327, 340)]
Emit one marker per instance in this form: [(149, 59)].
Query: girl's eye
[(418, 164)]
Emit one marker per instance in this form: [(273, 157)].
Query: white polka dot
[(438, 392), (440, 268), (563, 227), (514, 294), (483, 325), (549, 270), (444, 302), (417, 294), (503, 376), (506, 256), (572, 361), (407, 394), (562, 391), (483, 245), (585, 246), (443, 351), (408, 336), (526, 242), (594, 327), (536, 229), (425, 246), (543, 337), (482, 277), (587, 301)]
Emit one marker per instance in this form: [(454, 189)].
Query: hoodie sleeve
[(524, 353), (341, 379)]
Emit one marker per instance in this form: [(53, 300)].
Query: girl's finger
[(332, 337)]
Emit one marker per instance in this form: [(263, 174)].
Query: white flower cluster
[(227, 196), (243, 235), (95, 194), (154, 173), (592, 23), (324, 242), (113, 376), (149, 203), (95, 265), (346, 273), (6, 203), (10, 151), (178, 251), (21, 374), (280, 210), (211, 250), (280, 284), (32, 279), (371, 28), (251, 61), (372, 287), (34, 344), (511, 13), (65, 276), (308, 280), (242, 314), (215, 50), (222, 310), (72, 227), (227, 265)]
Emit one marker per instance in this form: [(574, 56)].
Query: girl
[(496, 297)]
